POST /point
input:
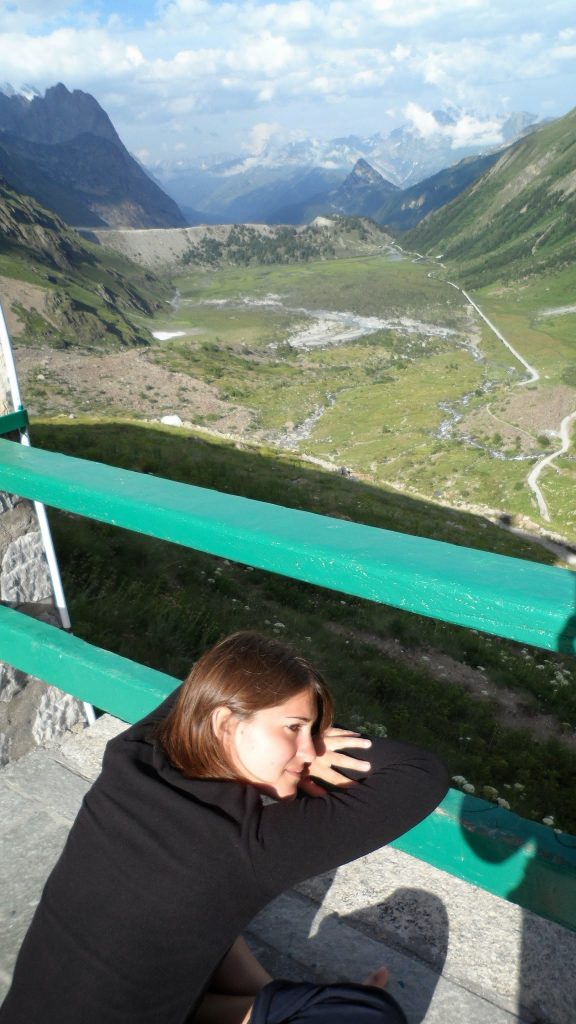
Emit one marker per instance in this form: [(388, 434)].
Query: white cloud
[(473, 131), (298, 16), (564, 52), (134, 56), (410, 13), (266, 53), (266, 93), (464, 131), (422, 121), (260, 59), (260, 137), (65, 54), (400, 53), (29, 15)]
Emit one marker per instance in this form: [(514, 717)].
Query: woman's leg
[(240, 973), (218, 1009), (233, 988)]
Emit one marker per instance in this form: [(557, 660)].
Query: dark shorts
[(287, 1002)]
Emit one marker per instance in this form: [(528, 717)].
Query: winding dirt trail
[(564, 430), (534, 375), (547, 461)]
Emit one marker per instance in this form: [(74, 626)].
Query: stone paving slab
[(41, 782), (495, 948), (457, 954), (329, 948)]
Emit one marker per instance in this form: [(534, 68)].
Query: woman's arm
[(294, 840)]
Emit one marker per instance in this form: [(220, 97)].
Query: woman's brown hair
[(246, 672)]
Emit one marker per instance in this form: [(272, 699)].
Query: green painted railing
[(525, 601), (13, 421), (510, 597)]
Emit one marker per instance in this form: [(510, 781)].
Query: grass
[(162, 605), (372, 285)]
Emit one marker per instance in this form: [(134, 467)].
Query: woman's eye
[(294, 728)]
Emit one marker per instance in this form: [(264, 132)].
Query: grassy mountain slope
[(404, 210), (518, 219), (361, 194), (58, 289)]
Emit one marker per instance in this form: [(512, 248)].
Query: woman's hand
[(329, 756)]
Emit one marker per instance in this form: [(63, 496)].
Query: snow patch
[(166, 335)]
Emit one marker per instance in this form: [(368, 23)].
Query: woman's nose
[(306, 748)]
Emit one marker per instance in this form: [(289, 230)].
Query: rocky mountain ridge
[(56, 117), (63, 150), (58, 289), (361, 194), (366, 193), (260, 186)]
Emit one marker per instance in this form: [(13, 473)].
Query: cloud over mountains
[(200, 74)]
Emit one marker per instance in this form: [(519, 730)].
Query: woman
[(174, 851)]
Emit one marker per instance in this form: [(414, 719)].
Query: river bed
[(329, 327), (291, 437)]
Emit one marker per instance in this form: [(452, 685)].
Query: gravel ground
[(127, 383), (524, 413)]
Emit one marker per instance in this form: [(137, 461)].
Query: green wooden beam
[(125, 689), (509, 597), (14, 421), (494, 849)]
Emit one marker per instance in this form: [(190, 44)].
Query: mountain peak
[(63, 149), (364, 176), (61, 115), (364, 172)]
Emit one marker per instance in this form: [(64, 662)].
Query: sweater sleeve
[(294, 840)]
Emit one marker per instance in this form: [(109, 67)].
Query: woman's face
[(273, 748)]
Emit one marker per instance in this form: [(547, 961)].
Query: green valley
[(425, 399)]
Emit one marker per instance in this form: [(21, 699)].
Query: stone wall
[(31, 713)]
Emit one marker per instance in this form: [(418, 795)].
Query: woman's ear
[(222, 722)]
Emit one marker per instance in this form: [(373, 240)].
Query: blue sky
[(181, 78)]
